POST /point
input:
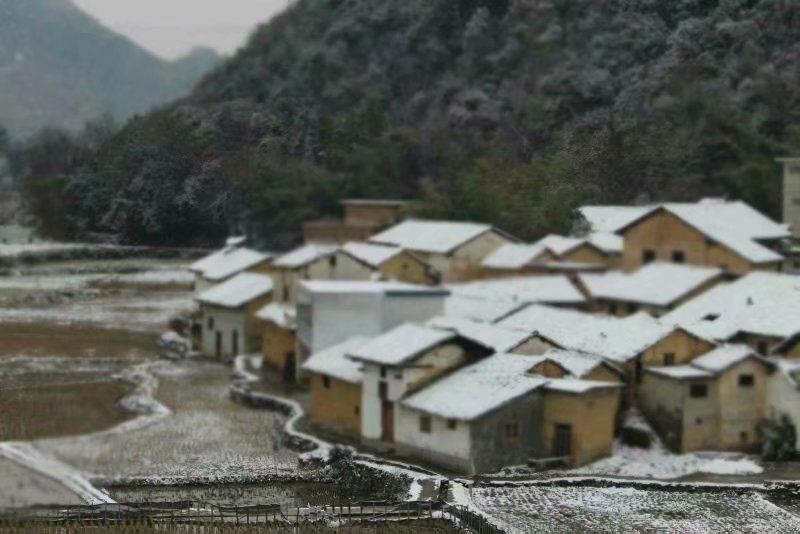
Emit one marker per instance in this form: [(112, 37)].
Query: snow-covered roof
[(401, 344), (559, 244), (576, 385), (733, 224), (488, 335), (723, 357), (555, 289), (609, 219), (618, 340), (479, 309), (513, 256), (658, 284), (282, 314), (762, 303), (227, 262), (578, 364), (790, 370), (236, 240), (303, 255), (334, 362), (238, 291), (362, 286), (478, 389), (680, 372), (371, 254), (431, 236), (608, 242)]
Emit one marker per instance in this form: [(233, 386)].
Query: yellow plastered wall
[(549, 369), (337, 406), (277, 344), (586, 254), (253, 324), (464, 263), (591, 416), (665, 234), (602, 373), (533, 347), (741, 408), (683, 345), (408, 268)]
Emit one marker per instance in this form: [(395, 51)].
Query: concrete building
[(403, 360), (329, 312), (454, 249), (229, 324), (226, 263), (713, 403), (362, 218), (655, 288), (368, 261), (336, 387)]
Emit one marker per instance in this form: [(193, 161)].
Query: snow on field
[(39, 248), (206, 436), (544, 508), (153, 278)]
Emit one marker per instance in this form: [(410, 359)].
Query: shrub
[(636, 437), (778, 438)]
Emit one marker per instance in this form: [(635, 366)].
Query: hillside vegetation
[(59, 67), (505, 111)]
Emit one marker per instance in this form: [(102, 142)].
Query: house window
[(425, 424), (512, 432), (711, 317), (451, 424), (332, 260), (743, 437), (405, 266), (698, 390), (211, 323), (612, 308), (383, 390), (383, 372), (648, 255), (669, 358), (678, 256), (632, 308), (762, 347), (746, 381), (326, 381), (357, 410), (698, 420)]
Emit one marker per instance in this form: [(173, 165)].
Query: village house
[(228, 311), (403, 360), (362, 218), (454, 249), (476, 420), (761, 309), (513, 259), (331, 311), (655, 288), (278, 345), (313, 261), (713, 403), (490, 335), (369, 261), (227, 263), (595, 249), (713, 232), (336, 387)]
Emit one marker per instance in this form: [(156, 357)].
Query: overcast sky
[(170, 28)]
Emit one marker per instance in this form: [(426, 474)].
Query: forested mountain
[(59, 67), (506, 111)]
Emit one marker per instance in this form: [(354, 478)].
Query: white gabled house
[(227, 263), (229, 323)]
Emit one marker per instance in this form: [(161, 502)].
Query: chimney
[(791, 193)]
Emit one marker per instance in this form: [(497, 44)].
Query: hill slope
[(508, 111), (59, 67)]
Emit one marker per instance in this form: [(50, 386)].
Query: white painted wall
[(403, 308), (441, 440), (226, 321)]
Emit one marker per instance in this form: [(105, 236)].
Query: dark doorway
[(562, 441), (289, 366), (218, 351), (387, 422), (235, 343)]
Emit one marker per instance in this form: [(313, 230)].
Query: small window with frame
[(669, 358), (698, 391), (746, 381), (678, 256), (210, 323), (512, 432), (425, 424), (648, 256), (452, 424), (326, 381)]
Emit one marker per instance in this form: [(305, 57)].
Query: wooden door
[(387, 422), (562, 441)]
